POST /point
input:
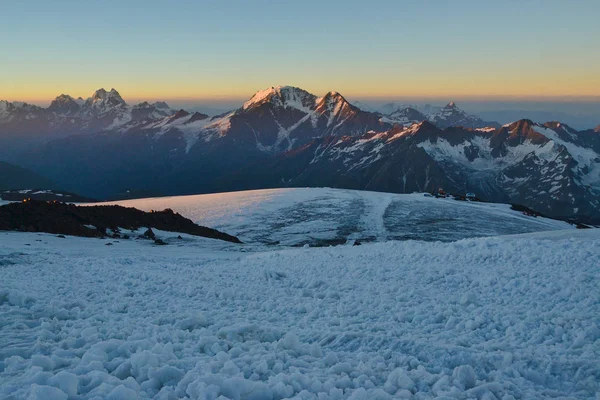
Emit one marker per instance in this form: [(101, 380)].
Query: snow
[(318, 216), (120, 120), (192, 131), (442, 150), (4, 110), (284, 96), (585, 157), (501, 317)]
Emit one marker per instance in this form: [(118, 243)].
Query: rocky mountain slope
[(286, 136), (550, 167)]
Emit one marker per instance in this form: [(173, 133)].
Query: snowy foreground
[(500, 317), (489, 318)]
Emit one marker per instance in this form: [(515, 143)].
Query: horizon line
[(567, 98)]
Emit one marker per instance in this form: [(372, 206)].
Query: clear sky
[(223, 50)]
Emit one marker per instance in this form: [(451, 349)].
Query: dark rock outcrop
[(93, 221)]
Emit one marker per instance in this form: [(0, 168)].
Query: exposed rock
[(149, 234), (69, 219)]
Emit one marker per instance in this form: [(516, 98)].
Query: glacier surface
[(499, 317)]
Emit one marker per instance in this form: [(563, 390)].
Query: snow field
[(490, 318), (317, 216)]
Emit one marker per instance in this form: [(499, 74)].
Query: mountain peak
[(282, 96), (521, 127), (451, 105), (63, 97), (101, 101), (64, 104), (102, 95), (336, 96), (406, 116), (333, 101), (161, 104)]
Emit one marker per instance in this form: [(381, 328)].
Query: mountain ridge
[(285, 136)]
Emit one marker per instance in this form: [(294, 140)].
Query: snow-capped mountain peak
[(18, 111), (335, 107), (452, 115), (63, 98), (109, 103), (406, 116), (282, 96), (102, 97), (450, 109), (65, 104)]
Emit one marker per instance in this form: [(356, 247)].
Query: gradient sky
[(222, 50)]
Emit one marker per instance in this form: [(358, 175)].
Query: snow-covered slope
[(332, 216), (488, 318)]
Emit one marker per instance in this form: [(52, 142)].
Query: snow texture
[(489, 318), (321, 216)]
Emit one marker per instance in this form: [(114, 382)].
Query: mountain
[(444, 117), (274, 120), (187, 153), (14, 177), (550, 168), (406, 116), (451, 115), (285, 136), (19, 117), (23, 125), (66, 105), (104, 110)]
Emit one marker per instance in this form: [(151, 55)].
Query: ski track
[(374, 212), (489, 318)]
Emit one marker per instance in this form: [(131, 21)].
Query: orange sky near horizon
[(584, 87)]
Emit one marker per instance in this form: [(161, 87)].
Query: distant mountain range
[(286, 136), (104, 110)]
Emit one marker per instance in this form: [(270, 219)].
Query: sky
[(224, 51)]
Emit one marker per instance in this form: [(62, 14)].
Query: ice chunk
[(465, 376), (41, 392), (122, 392), (65, 381)]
